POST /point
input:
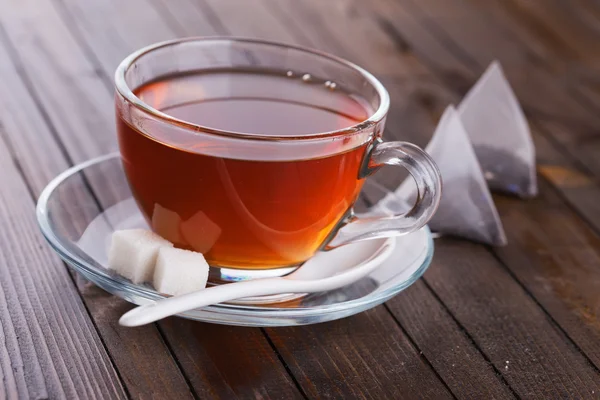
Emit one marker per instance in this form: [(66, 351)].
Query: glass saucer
[(96, 192)]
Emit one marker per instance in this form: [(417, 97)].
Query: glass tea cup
[(253, 152)]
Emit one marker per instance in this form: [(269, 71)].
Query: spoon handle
[(216, 294)]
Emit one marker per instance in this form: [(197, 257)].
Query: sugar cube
[(179, 271), (133, 253), (200, 232), (166, 222)]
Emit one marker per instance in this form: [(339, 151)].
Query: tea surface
[(265, 104), (244, 213)]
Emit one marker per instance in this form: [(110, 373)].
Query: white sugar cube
[(133, 253), (180, 271)]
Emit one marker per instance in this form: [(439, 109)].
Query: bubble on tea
[(290, 74), (306, 78), (332, 86)]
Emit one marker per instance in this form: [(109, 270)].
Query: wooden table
[(519, 321)]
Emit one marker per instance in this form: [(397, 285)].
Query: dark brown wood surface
[(514, 322)]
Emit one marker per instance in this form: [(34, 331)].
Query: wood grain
[(484, 283), (557, 264), (445, 366), (537, 308), (532, 51), (187, 18), (448, 345), (363, 356), (220, 10), (563, 34), (331, 17), (66, 84), (508, 325), (110, 30), (41, 157), (340, 31), (131, 347), (572, 179), (549, 134), (564, 31), (567, 137), (475, 37), (228, 362), (581, 191), (50, 348)]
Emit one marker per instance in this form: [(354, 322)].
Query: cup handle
[(429, 190)]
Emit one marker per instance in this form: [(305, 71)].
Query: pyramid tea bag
[(466, 208), (500, 134)]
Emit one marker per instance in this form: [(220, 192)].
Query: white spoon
[(340, 267)]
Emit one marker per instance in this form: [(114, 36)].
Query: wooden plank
[(358, 43), (533, 354), (134, 349), (475, 38), (186, 18), (327, 14), (50, 348), (582, 148), (558, 264), (582, 192), (446, 343), (146, 365), (122, 29), (19, 113), (218, 368), (364, 43), (363, 356), (571, 179), (484, 280), (383, 320), (73, 96), (553, 159), (446, 367), (567, 36), (560, 132), (538, 62), (240, 27), (565, 31), (41, 157), (233, 22), (564, 37)]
